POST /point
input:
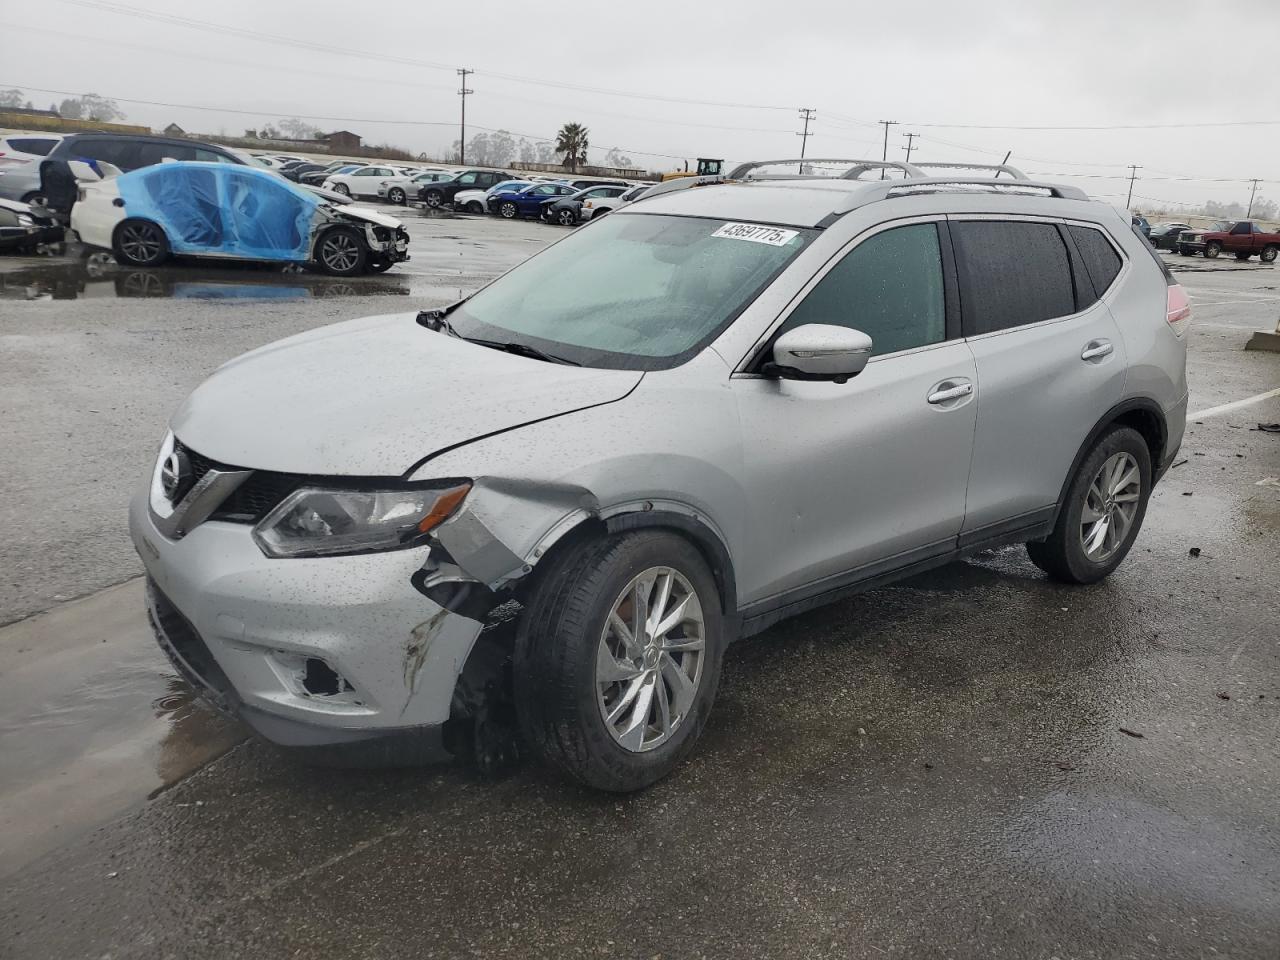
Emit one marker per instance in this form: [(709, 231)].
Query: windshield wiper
[(524, 350)]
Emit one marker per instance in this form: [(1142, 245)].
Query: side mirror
[(819, 351)]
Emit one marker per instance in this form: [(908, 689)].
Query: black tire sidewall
[(361, 259), (1119, 439), (562, 681), (1268, 255), (121, 256)]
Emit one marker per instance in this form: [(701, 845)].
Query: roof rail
[(999, 168), (905, 188), (856, 167)]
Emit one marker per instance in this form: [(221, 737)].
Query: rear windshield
[(638, 292)]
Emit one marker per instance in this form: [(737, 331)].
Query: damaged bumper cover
[(309, 653)]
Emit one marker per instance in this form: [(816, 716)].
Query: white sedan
[(398, 188), (363, 182)]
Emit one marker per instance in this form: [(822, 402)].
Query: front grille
[(253, 499)]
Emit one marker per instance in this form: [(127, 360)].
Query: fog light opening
[(321, 680)]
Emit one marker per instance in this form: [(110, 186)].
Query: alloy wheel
[(566, 218), (340, 252), (1110, 505), (649, 659), (140, 242)]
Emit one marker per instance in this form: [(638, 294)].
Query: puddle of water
[(93, 278), (92, 722)]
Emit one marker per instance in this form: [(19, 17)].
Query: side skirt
[(763, 614)]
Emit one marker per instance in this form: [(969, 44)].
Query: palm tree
[(572, 142)]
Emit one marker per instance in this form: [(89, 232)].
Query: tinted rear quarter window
[(1011, 273), (1100, 258), (121, 153), (40, 146)]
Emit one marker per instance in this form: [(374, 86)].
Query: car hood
[(373, 397), (369, 214)]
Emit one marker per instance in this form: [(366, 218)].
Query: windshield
[(638, 292)]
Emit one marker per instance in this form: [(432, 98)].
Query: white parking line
[(1233, 405)]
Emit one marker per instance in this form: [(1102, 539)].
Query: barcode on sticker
[(756, 234)]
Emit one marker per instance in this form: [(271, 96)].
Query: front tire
[(566, 217), (341, 252), (1212, 249), (342, 188), (396, 195), (618, 657), (1102, 513), (140, 243), (434, 199), (508, 210), (475, 206)]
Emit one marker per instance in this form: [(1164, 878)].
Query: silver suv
[(538, 516)]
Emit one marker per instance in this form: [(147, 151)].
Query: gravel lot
[(942, 768)]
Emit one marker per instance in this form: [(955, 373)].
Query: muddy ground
[(974, 763)]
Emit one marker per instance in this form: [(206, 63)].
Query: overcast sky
[(750, 65)]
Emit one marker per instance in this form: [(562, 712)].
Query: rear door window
[(1011, 273), (889, 286), (121, 153), (153, 153)]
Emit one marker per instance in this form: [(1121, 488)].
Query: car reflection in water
[(96, 278)]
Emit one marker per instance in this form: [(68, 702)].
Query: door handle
[(1096, 349), (951, 393)]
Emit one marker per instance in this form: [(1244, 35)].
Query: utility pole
[(807, 114), (885, 153), (1133, 175), (462, 141), (911, 137), (1252, 194)]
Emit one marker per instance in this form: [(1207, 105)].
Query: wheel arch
[(1142, 414)]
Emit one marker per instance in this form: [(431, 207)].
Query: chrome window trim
[(740, 370)]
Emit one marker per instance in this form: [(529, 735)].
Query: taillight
[(1178, 309)]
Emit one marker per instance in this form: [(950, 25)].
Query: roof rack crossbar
[(856, 166), (999, 168)]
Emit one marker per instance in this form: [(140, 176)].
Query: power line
[(384, 58), (462, 139), (1252, 193), (807, 113), (302, 116), (1110, 126)]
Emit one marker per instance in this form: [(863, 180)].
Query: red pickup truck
[(1244, 238)]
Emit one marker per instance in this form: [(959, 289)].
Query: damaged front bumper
[(308, 652)]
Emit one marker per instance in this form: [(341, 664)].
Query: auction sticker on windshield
[(756, 234)]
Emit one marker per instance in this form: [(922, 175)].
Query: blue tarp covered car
[(236, 212)]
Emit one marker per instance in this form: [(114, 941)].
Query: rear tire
[(341, 252), (1268, 254), (140, 243), (1115, 474), (1212, 249), (580, 659)]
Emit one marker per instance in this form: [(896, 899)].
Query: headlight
[(322, 522), (25, 220)]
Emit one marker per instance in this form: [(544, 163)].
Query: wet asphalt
[(974, 763)]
